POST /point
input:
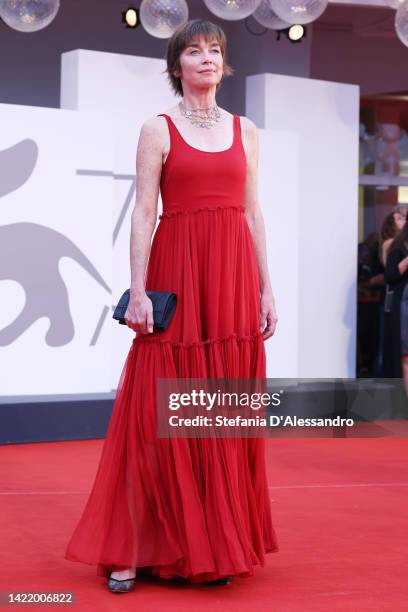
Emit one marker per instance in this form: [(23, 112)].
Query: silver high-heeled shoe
[(121, 586)]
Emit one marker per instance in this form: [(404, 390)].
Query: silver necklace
[(208, 120)]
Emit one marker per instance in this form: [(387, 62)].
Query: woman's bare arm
[(252, 209), (139, 315), (257, 226), (144, 214)]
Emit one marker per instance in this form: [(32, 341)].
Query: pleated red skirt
[(198, 507)]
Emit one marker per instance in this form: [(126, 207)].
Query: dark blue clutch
[(164, 306)]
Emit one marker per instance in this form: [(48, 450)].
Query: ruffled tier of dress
[(196, 508)]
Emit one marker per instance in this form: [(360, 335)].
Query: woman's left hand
[(268, 314)]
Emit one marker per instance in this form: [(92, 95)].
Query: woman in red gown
[(194, 508)]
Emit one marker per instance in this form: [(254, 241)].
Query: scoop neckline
[(202, 150)]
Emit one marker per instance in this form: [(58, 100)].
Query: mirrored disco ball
[(28, 15), (160, 18), (265, 15), (299, 11), (401, 23), (232, 10)]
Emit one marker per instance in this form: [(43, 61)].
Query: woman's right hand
[(139, 313)]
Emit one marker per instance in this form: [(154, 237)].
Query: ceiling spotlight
[(130, 17), (294, 33)]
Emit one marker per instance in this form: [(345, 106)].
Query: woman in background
[(395, 363), (390, 228)]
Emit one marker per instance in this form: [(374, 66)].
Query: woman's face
[(201, 64), (399, 219)]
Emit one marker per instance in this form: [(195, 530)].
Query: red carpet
[(339, 507)]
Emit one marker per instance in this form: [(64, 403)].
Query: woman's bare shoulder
[(247, 123), (153, 139), (249, 135), (153, 124), (386, 245), (249, 129), (154, 130), (156, 127)]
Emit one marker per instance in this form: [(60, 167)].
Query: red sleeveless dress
[(198, 507)]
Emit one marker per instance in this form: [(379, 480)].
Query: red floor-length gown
[(198, 507)]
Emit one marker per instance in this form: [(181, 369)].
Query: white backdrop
[(313, 233), (71, 171), (55, 255)]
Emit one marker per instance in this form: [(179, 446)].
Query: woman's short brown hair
[(182, 37)]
